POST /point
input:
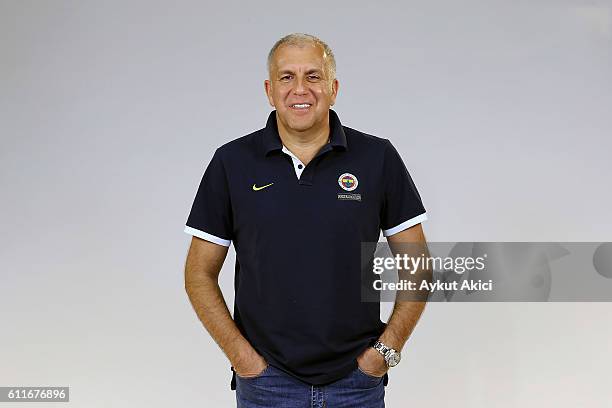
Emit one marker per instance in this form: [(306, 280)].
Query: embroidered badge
[(348, 182)]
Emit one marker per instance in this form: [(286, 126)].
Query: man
[(297, 198)]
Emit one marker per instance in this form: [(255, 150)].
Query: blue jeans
[(274, 388)]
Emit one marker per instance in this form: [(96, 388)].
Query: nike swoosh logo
[(255, 188)]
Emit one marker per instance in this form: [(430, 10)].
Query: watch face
[(394, 359)]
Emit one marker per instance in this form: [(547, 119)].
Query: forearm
[(401, 323), (208, 302), (399, 327), (410, 303)]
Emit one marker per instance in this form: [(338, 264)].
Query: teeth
[(301, 105)]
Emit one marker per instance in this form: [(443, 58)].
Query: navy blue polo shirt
[(297, 231)]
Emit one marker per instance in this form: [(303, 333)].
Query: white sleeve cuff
[(405, 225), (206, 236)]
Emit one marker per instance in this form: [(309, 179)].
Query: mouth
[(300, 106)]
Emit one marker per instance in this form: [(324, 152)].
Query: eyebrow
[(310, 71)]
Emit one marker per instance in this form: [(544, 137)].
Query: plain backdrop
[(111, 110)]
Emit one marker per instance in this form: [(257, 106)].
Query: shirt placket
[(299, 167)]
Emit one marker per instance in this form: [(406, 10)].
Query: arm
[(405, 313), (202, 268)]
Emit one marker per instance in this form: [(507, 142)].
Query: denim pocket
[(261, 374), (372, 377)]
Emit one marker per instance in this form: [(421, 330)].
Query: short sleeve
[(211, 215), (402, 206)]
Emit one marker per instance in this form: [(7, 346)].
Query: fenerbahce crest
[(348, 182)]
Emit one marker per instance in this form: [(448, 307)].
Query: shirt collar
[(271, 140)]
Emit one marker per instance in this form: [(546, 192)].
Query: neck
[(306, 144), (318, 135)]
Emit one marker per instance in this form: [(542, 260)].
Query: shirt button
[(300, 166)]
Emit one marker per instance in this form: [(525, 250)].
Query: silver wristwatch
[(392, 357)]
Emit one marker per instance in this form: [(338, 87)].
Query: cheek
[(278, 96), (282, 94), (319, 93), (322, 96)]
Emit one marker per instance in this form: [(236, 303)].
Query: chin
[(301, 126)]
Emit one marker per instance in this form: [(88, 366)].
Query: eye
[(314, 77), (285, 78)]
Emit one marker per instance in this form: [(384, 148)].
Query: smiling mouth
[(300, 106)]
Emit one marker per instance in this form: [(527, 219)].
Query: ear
[(334, 90), (268, 88)]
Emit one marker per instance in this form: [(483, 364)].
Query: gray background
[(110, 111)]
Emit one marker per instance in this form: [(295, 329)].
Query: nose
[(299, 89)]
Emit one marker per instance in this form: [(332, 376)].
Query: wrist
[(242, 353), (391, 356), (390, 340)]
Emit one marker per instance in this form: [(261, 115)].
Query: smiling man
[(297, 198)]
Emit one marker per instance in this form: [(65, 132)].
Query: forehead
[(299, 56)]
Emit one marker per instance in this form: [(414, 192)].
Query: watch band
[(382, 347), (387, 352)]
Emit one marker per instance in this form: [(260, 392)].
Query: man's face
[(298, 77)]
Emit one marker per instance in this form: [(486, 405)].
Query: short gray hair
[(300, 39)]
